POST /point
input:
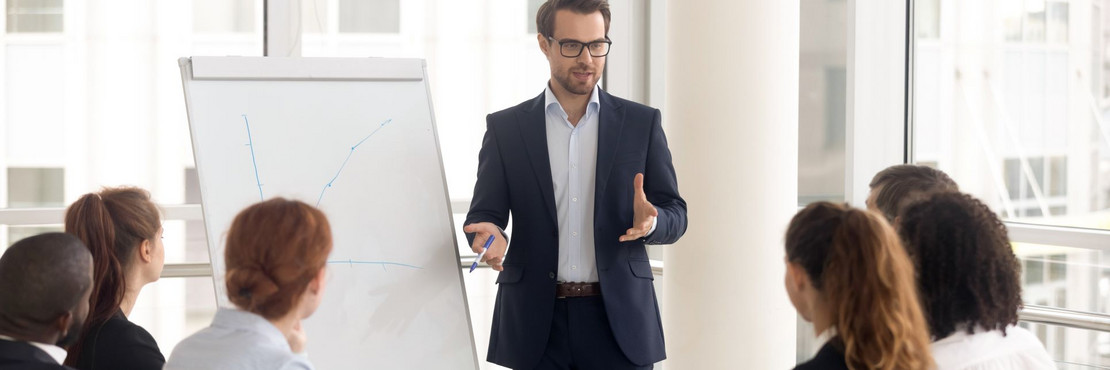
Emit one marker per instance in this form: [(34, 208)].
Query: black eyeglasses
[(573, 48)]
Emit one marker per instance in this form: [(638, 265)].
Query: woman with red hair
[(275, 256)]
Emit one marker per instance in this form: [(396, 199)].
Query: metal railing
[(1091, 239)]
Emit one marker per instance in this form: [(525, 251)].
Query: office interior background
[(1010, 97)]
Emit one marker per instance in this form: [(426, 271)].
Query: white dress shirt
[(572, 150), (55, 352), (989, 350), (237, 340)]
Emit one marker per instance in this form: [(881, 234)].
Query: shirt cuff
[(654, 223)]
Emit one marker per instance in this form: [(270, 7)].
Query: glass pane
[(104, 105), (314, 16), (35, 187), (174, 308), (370, 16), (34, 15), (1034, 26), (1071, 278), (1101, 37), (822, 106), (17, 233), (530, 15), (1011, 13), (223, 16), (1002, 115), (927, 13), (464, 90), (195, 236), (1058, 22)]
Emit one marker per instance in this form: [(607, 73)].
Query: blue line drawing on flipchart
[(351, 262), (349, 154), (250, 143)]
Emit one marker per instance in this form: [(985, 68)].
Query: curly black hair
[(968, 275)]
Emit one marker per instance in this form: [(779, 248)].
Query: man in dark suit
[(588, 180), (45, 283)]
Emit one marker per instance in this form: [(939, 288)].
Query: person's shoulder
[(121, 344), (628, 105), (119, 329), (1017, 348)]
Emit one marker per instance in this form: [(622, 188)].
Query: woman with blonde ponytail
[(122, 228), (275, 256), (847, 273)]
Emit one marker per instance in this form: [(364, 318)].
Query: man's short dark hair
[(41, 278), (545, 17), (907, 183), (967, 274)]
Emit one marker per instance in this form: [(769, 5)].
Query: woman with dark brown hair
[(847, 273), (970, 285), (122, 228), (275, 256)]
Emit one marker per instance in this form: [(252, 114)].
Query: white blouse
[(990, 350)]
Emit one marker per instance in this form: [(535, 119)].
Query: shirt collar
[(236, 319), (55, 352), (550, 100), (822, 339)]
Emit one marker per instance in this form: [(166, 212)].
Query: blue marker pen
[(484, 249)]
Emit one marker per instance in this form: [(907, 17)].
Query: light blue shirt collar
[(591, 108)]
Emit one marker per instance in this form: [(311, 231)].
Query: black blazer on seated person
[(828, 358), (119, 344), (24, 356)]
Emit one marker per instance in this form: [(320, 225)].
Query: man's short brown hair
[(545, 17), (906, 183)]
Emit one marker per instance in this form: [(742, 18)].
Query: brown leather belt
[(564, 290)]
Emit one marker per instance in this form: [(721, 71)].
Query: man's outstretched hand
[(645, 213)]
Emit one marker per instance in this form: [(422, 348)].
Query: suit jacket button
[(551, 275)]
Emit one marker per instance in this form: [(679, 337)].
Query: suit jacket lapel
[(611, 122), (533, 132)]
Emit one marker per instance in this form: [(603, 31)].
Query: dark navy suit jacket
[(24, 356), (514, 177)]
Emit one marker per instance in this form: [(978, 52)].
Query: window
[(530, 15), (927, 13), (103, 106), (223, 16), (33, 188), (822, 106), (39, 16), (997, 107), (369, 16)]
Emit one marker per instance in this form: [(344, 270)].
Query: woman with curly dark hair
[(847, 273), (969, 284)]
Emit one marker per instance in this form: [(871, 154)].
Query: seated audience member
[(969, 282), (122, 228), (896, 186), (275, 256), (847, 273), (45, 282)]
